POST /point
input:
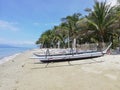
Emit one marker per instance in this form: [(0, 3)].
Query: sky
[(23, 21)]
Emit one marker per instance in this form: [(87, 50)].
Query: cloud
[(112, 2), (2, 40), (23, 43), (5, 25), (45, 24), (36, 24), (14, 42)]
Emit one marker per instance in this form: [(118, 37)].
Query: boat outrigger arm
[(71, 57)]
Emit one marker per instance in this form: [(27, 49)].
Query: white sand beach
[(20, 73)]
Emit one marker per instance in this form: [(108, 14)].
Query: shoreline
[(36, 50), (12, 56), (24, 74), (8, 58)]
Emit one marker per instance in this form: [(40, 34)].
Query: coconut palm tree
[(69, 23), (98, 26), (58, 35), (101, 19), (117, 22), (45, 39), (118, 1)]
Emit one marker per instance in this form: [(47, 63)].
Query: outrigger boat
[(70, 56), (70, 53)]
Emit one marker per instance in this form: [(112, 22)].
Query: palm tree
[(65, 29), (98, 26), (101, 19), (45, 39), (118, 16), (118, 1), (58, 35), (69, 23), (117, 22), (83, 29)]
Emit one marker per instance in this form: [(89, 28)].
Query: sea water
[(8, 53)]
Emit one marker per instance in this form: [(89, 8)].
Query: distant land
[(14, 46), (7, 46)]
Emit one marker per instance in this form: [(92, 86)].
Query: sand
[(21, 73)]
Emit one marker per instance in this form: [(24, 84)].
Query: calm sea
[(4, 52)]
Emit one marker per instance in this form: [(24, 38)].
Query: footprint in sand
[(15, 89), (16, 81), (111, 76), (91, 70)]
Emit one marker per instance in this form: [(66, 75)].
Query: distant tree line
[(101, 25)]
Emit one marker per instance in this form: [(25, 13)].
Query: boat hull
[(70, 57)]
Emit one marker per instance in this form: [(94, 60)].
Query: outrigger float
[(70, 56)]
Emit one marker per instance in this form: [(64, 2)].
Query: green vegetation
[(101, 25)]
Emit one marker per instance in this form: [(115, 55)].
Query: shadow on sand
[(46, 65)]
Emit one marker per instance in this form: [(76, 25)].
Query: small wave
[(5, 59)]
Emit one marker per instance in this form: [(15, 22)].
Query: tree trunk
[(100, 46), (74, 43), (68, 41), (58, 44)]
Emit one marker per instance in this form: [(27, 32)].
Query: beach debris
[(23, 65), (15, 89), (12, 60), (16, 81)]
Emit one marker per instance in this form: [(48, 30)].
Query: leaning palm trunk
[(74, 44), (68, 41), (58, 44)]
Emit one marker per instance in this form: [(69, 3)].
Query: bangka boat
[(69, 53), (70, 56)]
